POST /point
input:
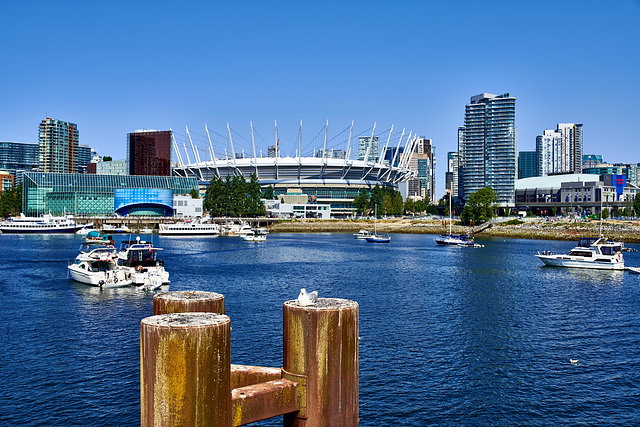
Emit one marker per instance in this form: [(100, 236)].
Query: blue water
[(449, 336)]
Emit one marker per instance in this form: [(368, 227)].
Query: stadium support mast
[(253, 148), (233, 153), (348, 155), (366, 155), (196, 157), (300, 151), (213, 154), (384, 150), (175, 148)]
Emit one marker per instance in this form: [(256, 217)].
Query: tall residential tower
[(149, 152), (58, 146), (560, 150), (488, 146)]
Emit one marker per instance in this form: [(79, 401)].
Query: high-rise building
[(488, 146), (149, 152), (560, 150), (527, 164), (16, 156), (85, 154), (451, 176), (367, 150), (423, 161), (58, 146)]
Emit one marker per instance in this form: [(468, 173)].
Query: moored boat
[(590, 252), (189, 229), (141, 260), (256, 235), (362, 234)]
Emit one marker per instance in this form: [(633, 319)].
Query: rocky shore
[(628, 231)]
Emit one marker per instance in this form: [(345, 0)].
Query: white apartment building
[(560, 150)]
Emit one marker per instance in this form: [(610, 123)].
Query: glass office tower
[(149, 152)]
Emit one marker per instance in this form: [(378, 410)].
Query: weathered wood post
[(188, 301), (185, 361), (321, 352)]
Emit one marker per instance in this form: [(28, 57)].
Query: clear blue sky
[(117, 66)]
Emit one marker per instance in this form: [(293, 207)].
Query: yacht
[(141, 261), (255, 236), (44, 224), (102, 273), (189, 229), (232, 228), (591, 252), (362, 234)]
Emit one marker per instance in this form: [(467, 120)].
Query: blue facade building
[(143, 201)]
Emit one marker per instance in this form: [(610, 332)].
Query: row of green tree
[(234, 197), (11, 202), (387, 200)]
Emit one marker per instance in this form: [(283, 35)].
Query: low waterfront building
[(297, 210), (185, 206), (6, 181), (90, 195), (570, 194)]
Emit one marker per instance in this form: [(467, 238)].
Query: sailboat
[(377, 238), (454, 239)]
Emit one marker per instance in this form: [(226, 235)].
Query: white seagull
[(305, 299)]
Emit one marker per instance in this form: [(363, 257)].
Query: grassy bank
[(628, 231)]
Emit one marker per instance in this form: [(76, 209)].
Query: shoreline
[(627, 231)]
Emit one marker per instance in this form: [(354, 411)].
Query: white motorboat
[(255, 236), (44, 224), (591, 252), (90, 252), (189, 229), (634, 270), (232, 228), (102, 273), (141, 260), (362, 234), (151, 283)]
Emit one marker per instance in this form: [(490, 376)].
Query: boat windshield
[(147, 257), (611, 250), (585, 242)]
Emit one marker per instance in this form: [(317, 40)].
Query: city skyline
[(122, 67)]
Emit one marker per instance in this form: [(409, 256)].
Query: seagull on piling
[(305, 299)]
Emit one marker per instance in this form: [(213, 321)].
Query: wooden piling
[(185, 361), (188, 301), (321, 353)]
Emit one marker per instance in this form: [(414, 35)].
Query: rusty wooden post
[(188, 301), (321, 353), (185, 363)]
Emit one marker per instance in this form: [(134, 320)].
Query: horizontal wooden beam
[(265, 400)]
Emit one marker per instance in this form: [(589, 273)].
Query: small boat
[(98, 272), (44, 224), (145, 230), (590, 252), (375, 237), (151, 283), (451, 239), (86, 229), (95, 238), (634, 270), (256, 235), (362, 234)]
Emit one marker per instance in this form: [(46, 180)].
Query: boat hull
[(39, 230), (565, 261)]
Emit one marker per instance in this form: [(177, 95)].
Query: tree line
[(11, 202), (234, 197), (387, 200)]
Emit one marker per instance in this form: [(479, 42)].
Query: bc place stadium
[(328, 170)]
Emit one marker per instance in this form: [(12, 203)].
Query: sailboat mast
[(450, 194)]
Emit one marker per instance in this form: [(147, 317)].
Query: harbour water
[(448, 336)]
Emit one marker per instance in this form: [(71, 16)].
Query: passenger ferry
[(189, 229), (43, 224)]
